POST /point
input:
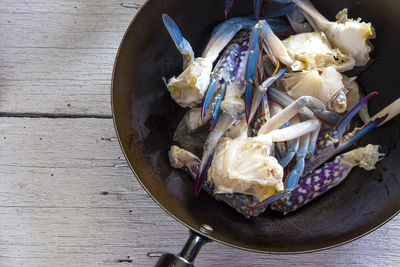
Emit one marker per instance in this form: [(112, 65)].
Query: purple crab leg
[(327, 177), (222, 72), (180, 42)]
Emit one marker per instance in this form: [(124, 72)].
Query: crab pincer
[(180, 42)]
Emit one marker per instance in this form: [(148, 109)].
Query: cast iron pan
[(145, 118)]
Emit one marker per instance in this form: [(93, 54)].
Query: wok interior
[(146, 118)]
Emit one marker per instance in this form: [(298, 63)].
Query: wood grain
[(60, 54), (67, 196)]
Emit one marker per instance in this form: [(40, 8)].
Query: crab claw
[(180, 42), (221, 74), (251, 67), (223, 34)]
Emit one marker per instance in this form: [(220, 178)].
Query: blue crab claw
[(251, 67), (221, 74), (180, 42), (349, 115), (223, 34)]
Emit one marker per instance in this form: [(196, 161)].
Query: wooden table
[(67, 196)]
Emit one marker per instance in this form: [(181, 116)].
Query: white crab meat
[(323, 84), (351, 37), (189, 87), (312, 50), (243, 165)]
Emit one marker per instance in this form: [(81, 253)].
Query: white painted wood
[(67, 197), (60, 54)]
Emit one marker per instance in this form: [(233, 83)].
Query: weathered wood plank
[(67, 198), (60, 54)]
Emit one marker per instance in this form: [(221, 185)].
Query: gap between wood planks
[(54, 115)]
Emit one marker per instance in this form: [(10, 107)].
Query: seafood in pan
[(269, 105)]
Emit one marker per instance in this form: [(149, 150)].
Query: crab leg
[(284, 99), (251, 68), (327, 177), (290, 111), (180, 42), (222, 72), (292, 145)]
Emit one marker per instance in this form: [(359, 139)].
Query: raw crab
[(265, 144)]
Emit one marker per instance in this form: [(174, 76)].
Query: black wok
[(145, 118)]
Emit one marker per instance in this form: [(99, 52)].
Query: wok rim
[(179, 220)]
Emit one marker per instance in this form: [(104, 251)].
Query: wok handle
[(187, 255)]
